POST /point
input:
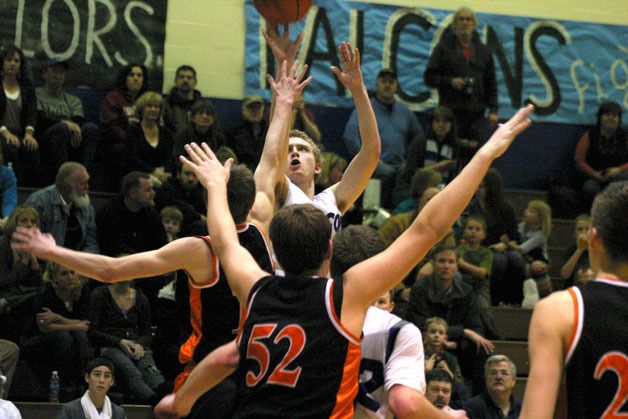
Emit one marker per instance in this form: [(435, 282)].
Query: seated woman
[(120, 328), (117, 112), (57, 333), (148, 144), (203, 128), (602, 153), (437, 152), (18, 117), (18, 269)]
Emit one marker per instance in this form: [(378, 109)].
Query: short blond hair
[(315, 148), (149, 98)]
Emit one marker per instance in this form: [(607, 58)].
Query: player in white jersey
[(299, 157), (392, 355)]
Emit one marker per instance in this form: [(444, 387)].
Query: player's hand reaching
[(206, 166), (289, 85), (506, 133), (33, 241), (351, 74), (282, 47)]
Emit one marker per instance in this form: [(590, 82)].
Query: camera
[(469, 85)]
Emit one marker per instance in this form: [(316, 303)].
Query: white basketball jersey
[(392, 353)]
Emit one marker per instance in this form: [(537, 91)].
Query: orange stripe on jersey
[(183, 376), (215, 277), (186, 351), (348, 388), (576, 321)]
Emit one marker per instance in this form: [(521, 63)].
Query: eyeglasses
[(494, 373)]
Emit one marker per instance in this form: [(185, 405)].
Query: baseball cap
[(252, 99), (51, 62), (387, 72)]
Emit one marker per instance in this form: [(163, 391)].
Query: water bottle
[(54, 387)]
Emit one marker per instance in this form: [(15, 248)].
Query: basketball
[(282, 11)]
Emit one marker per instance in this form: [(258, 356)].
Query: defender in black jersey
[(584, 331), (280, 343)]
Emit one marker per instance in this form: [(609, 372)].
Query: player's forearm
[(407, 403), (94, 266), (367, 124), (275, 152), (214, 368), (220, 223), (441, 211)]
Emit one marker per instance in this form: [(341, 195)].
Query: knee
[(63, 341)]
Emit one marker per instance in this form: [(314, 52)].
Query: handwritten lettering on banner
[(96, 37), (565, 68)]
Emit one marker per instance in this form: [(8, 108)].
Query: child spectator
[(475, 260), (436, 354), (437, 357), (535, 230), (172, 219), (577, 255)]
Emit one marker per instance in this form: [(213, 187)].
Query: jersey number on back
[(259, 352), (616, 362)]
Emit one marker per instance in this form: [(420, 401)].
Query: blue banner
[(565, 68)]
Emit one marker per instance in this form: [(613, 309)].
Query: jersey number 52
[(258, 350)]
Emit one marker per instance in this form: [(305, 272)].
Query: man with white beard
[(65, 210)]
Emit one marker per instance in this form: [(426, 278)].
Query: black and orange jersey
[(215, 313), (296, 358), (597, 354)]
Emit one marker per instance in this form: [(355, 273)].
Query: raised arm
[(270, 174), (241, 269), (275, 153), (360, 169), (433, 222), (186, 253)]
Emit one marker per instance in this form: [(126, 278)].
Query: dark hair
[(125, 71), (132, 181), (100, 361), (440, 248), (22, 76), (240, 192), (422, 180), (438, 374), (608, 216), (445, 113), (185, 67), (609, 107), (203, 105), (494, 188), (475, 217), (300, 236), (352, 245)]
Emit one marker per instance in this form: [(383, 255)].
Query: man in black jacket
[(461, 68)]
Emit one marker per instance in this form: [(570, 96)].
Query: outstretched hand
[(351, 74), (282, 47), (288, 84), (206, 165), (33, 241), (508, 131)]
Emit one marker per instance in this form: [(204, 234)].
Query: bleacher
[(511, 323)]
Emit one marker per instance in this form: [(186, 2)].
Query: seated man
[(497, 401), (66, 133), (247, 138), (439, 386), (95, 403), (65, 210), (443, 295), (9, 354)]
